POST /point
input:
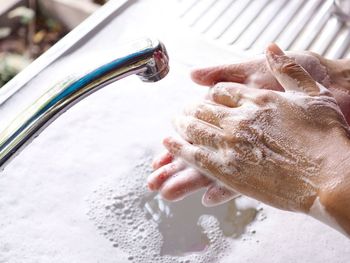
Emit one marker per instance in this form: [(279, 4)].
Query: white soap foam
[(150, 229)]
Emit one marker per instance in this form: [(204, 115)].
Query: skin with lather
[(273, 128)]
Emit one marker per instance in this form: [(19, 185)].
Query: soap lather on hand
[(288, 147)]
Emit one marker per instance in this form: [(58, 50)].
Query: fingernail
[(275, 49), (172, 145), (150, 186), (275, 56)]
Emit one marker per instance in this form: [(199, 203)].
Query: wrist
[(332, 204), (335, 203)]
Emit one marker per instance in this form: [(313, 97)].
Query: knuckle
[(220, 89), (200, 110), (235, 136), (262, 99), (216, 89), (198, 156), (191, 128), (174, 147), (215, 93), (230, 160), (265, 97), (201, 158)]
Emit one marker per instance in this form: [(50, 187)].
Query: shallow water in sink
[(135, 220)]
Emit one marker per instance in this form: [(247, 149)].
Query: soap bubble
[(123, 213)]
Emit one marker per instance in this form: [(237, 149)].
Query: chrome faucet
[(149, 61)]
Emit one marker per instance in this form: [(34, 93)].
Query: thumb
[(289, 74)]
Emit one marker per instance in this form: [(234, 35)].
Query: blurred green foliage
[(11, 65), (31, 35)]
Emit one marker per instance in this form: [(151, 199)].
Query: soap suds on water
[(151, 229)]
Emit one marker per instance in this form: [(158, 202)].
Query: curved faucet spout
[(149, 62)]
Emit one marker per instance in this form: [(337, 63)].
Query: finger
[(217, 194), (227, 73), (208, 112), (234, 94), (289, 74), (254, 72), (188, 152), (205, 160), (227, 94), (231, 73), (198, 132), (156, 179), (162, 159), (183, 184)]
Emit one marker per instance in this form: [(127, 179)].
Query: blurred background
[(29, 27)]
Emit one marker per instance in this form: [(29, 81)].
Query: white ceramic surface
[(44, 191), (70, 13)]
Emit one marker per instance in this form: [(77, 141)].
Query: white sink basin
[(60, 199)]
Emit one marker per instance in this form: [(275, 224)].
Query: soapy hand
[(175, 180), (278, 147), (333, 74)]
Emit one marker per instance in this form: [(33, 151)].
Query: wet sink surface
[(54, 197)]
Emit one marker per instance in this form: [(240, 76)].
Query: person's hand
[(175, 180), (286, 149), (333, 74)]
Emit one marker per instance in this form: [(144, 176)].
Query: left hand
[(175, 179), (332, 74)]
